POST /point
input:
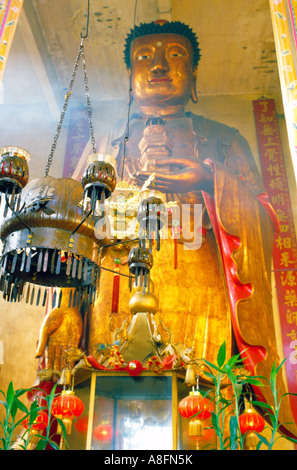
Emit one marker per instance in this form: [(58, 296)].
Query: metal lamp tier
[(49, 241), (14, 174), (98, 181), (151, 215)]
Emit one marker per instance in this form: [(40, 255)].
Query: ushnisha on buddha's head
[(163, 60)]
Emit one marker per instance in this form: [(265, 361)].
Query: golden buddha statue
[(219, 289)]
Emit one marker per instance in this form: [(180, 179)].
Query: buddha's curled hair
[(174, 27)]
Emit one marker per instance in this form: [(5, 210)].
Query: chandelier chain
[(88, 102), (65, 106)]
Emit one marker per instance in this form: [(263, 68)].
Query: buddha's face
[(162, 70)]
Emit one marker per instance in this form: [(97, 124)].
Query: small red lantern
[(36, 428), (40, 422), (249, 424), (191, 405), (81, 424), (250, 421), (67, 407), (103, 432), (195, 403)]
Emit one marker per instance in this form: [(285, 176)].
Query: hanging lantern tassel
[(116, 287), (196, 430)]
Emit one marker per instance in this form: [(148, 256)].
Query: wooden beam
[(40, 60)]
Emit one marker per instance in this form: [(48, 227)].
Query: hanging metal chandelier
[(48, 225)]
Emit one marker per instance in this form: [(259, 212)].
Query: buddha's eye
[(143, 55), (176, 52)]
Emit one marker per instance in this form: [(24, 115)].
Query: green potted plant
[(226, 413), (35, 422)]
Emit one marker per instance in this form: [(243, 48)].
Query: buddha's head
[(163, 60)]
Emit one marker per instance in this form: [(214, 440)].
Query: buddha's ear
[(194, 97)]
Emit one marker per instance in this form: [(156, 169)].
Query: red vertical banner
[(285, 246)]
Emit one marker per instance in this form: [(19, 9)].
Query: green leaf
[(10, 394), (273, 374), (21, 406), (233, 360), (63, 428), (221, 357), (291, 439), (54, 445), (225, 401), (281, 364), (263, 440), (213, 367), (20, 392), (230, 373), (51, 397), (262, 404), (208, 374), (215, 423), (251, 380), (259, 445), (41, 444), (233, 432), (13, 409)]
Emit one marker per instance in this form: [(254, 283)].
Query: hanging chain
[(88, 101), (65, 105), (127, 132)]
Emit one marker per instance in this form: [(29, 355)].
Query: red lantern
[(36, 428), (195, 403), (103, 432), (39, 424), (250, 421), (191, 405), (67, 407), (81, 424)]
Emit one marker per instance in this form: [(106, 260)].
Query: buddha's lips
[(160, 80)]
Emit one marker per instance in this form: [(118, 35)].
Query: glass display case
[(122, 412)]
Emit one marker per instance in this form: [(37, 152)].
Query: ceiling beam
[(46, 77)]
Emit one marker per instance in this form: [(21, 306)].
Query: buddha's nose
[(159, 63)]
